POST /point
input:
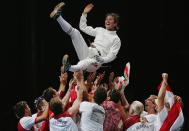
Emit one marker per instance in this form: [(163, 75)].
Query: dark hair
[(100, 95), (48, 94), (39, 102), (116, 18), (19, 109), (56, 105), (115, 95)]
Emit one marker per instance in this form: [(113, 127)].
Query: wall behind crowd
[(33, 46)]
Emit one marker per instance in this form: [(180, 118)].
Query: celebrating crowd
[(87, 104)]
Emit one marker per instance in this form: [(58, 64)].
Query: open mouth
[(107, 24)]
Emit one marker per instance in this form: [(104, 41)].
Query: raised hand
[(88, 8), (71, 84), (164, 76), (90, 80), (99, 78), (63, 78), (79, 76), (91, 76), (111, 77)]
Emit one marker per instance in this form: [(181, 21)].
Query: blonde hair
[(165, 101), (153, 96), (138, 107)]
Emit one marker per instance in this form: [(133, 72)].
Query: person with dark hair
[(65, 119), (112, 113), (50, 93), (39, 103), (92, 113), (105, 47), (27, 121)]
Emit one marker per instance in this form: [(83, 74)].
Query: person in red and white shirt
[(170, 116), (66, 119), (40, 104), (27, 121), (51, 93)]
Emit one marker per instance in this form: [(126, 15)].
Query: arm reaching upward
[(162, 91), (67, 96), (83, 22), (88, 8), (63, 81)]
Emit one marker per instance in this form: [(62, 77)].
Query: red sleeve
[(45, 124), (61, 94)]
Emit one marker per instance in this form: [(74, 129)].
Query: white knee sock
[(65, 25)]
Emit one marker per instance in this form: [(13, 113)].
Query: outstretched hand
[(164, 76), (88, 8), (63, 78)]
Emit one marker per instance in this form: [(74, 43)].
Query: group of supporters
[(85, 103)]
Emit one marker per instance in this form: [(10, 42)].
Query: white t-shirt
[(157, 120), (92, 116), (161, 116), (141, 127), (26, 123), (63, 124), (151, 118)]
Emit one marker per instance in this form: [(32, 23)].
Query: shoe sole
[(56, 9), (64, 61)]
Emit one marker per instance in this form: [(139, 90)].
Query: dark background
[(154, 40)]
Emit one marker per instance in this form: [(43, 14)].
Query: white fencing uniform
[(107, 44)]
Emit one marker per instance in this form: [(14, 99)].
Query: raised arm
[(99, 78), (162, 91), (63, 81), (80, 83), (124, 115), (124, 101), (83, 21), (110, 81), (90, 79), (67, 96)]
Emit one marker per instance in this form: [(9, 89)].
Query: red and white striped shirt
[(27, 123)]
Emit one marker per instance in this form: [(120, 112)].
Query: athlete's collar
[(111, 32)]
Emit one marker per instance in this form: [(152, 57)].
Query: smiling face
[(112, 21), (150, 104)]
